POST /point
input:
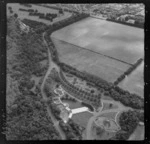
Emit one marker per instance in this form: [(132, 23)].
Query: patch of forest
[(27, 117)]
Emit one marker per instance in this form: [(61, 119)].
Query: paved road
[(51, 65)]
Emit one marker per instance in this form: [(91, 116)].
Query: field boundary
[(94, 52)]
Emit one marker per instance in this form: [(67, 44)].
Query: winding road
[(88, 136), (51, 65)]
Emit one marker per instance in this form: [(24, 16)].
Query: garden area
[(99, 133)]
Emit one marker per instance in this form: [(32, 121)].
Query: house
[(131, 21), (24, 27)]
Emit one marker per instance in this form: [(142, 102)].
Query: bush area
[(137, 24), (27, 117), (128, 72), (72, 130), (118, 94), (128, 122), (47, 16), (55, 110), (33, 24), (57, 8), (89, 98), (67, 97), (89, 106)]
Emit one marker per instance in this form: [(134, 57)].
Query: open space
[(115, 40), (84, 60), (109, 115), (138, 133), (82, 118), (22, 14), (134, 83), (107, 106)]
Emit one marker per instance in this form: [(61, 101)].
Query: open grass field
[(118, 41), (84, 60), (109, 115), (22, 15), (72, 105), (82, 118), (138, 133), (134, 83), (107, 106)]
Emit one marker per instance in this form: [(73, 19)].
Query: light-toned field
[(22, 14), (109, 115), (106, 106), (84, 60), (82, 118), (134, 83), (119, 41), (138, 133)]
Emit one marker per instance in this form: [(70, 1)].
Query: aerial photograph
[(75, 71)]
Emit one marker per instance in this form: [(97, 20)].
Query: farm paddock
[(109, 115), (134, 83), (94, 63), (117, 41)]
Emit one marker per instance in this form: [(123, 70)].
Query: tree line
[(128, 72), (118, 94)]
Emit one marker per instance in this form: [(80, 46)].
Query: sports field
[(134, 83), (118, 41), (84, 60)]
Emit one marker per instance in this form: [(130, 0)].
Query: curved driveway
[(51, 65)]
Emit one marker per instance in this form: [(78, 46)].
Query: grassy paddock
[(93, 63), (109, 115), (134, 83), (82, 118)]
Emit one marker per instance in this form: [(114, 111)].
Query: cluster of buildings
[(23, 27), (66, 112), (129, 13)]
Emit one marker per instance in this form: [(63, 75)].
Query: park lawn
[(82, 118), (109, 115), (106, 106)]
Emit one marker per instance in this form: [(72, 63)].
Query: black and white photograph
[(75, 71)]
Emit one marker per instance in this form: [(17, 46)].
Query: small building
[(24, 27), (131, 21), (79, 110)]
